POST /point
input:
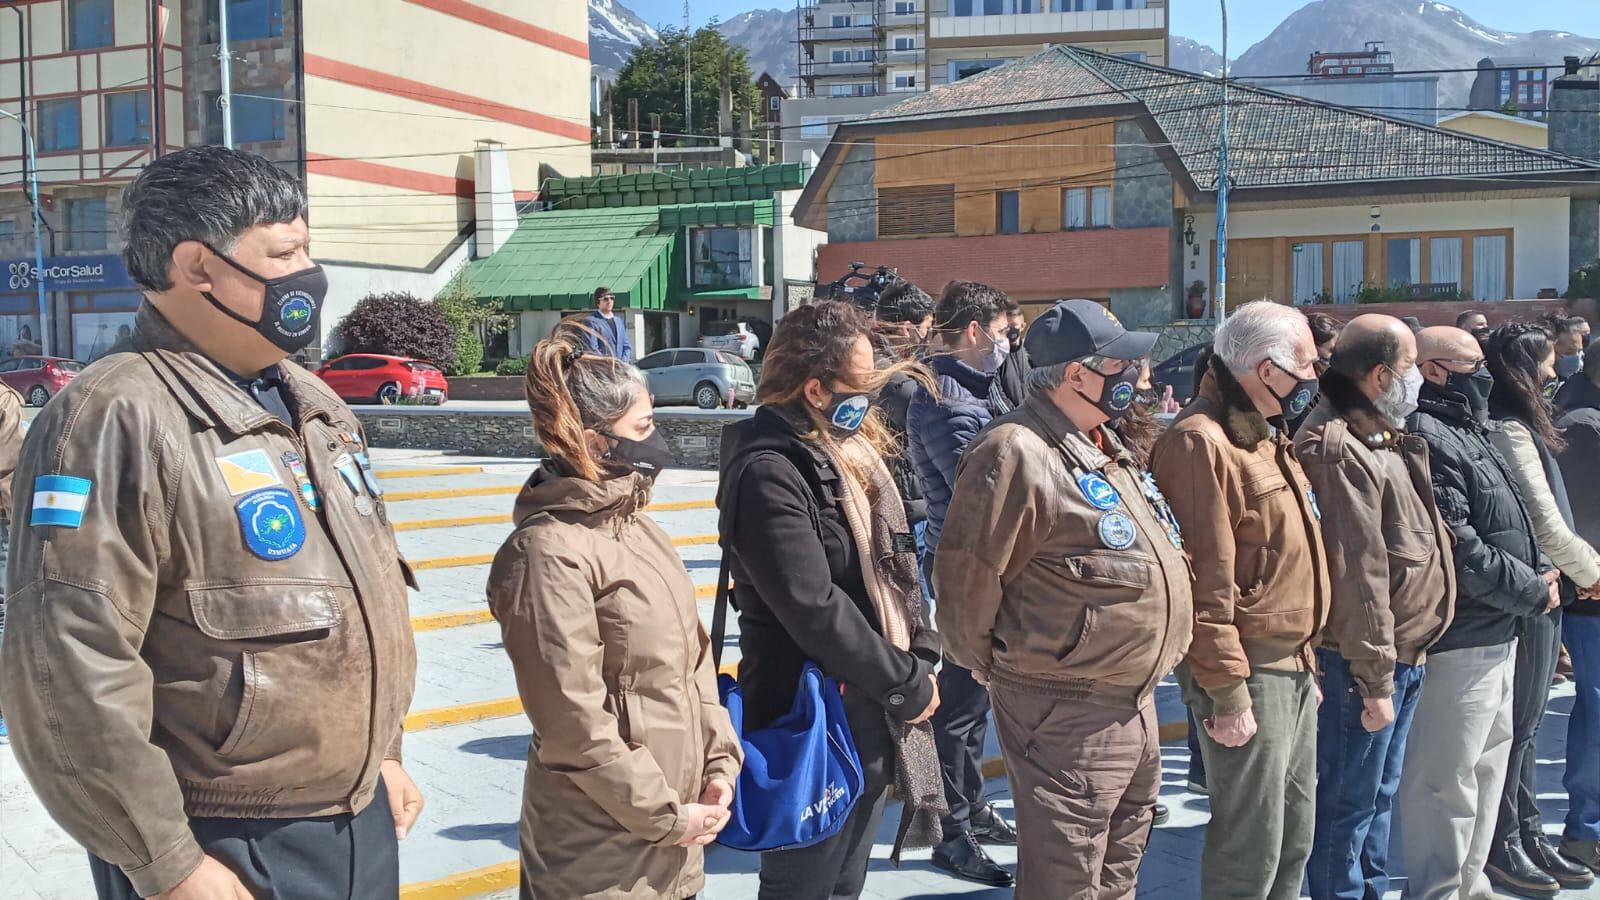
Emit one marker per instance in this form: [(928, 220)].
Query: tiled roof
[(1275, 140)]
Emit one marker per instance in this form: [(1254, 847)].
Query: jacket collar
[(206, 391), (973, 381), (1343, 398), (1060, 431), (1244, 425), (1448, 406), (1578, 393)]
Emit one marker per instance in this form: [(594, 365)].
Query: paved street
[(468, 740)]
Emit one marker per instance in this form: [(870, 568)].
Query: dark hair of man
[(1515, 354), (903, 301), (600, 292), (965, 302), (1356, 355), (1555, 325), (209, 194), (1461, 320), (1324, 327)]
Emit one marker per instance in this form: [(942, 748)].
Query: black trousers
[(347, 857), (960, 729), (835, 869), (1537, 651)]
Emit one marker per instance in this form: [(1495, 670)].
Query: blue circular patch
[(294, 313), (1117, 531), (851, 413), (1098, 491), (271, 524), (1121, 395), (1302, 399)]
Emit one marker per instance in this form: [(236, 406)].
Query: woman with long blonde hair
[(634, 760), (825, 571)]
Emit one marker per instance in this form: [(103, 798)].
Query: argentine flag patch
[(59, 500)]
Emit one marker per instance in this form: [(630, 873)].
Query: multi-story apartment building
[(858, 56), (366, 100), (1517, 87)]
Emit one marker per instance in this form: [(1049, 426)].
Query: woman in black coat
[(800, 588)]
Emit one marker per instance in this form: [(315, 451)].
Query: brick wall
[(695, 437)]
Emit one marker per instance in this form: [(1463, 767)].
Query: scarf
[(876, 515)]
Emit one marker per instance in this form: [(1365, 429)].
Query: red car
[(38, 378), (367, 377)]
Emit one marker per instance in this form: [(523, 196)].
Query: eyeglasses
[(1473, 366), (1099, 364)]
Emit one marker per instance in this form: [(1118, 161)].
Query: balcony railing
[(1026, 25)]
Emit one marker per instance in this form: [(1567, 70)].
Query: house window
[(1489, 268), (841, 21), (902, 8), (1307, 272), (248, 20), (773, 103), (839, 56), (60, 125), (1007, 213), (259, 114), (1505, 86), (721, 258), (1135, 55), (1075, 209), (87, 224), (905, 82), (127, 119), (815, 128), (1349, 269), (905, 43), (88, 24), (1405, 261), (1100, 207), (917, 211), (1444, 261)]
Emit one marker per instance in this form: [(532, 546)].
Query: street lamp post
[(1221, 291), (38, 228)]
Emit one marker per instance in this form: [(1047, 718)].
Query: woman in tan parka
[(633, 761)]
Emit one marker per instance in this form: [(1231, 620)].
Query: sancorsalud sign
[(67, 273)]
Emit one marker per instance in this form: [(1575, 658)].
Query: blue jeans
[(1358, 773), (1581, 634)]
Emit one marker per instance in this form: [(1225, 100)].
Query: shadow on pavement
[(514, 747), (504, 832)]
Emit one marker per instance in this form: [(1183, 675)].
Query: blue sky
[(1250, 20)]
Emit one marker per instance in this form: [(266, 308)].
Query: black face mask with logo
[(291, 307), (647, 457), (1117, 393), (1295, 403)]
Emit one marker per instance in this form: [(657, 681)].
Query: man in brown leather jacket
[(1250, 523), (1391, 601), (209, 654), (1063, 586)]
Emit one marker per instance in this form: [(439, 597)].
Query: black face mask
[(1117, 394), (1475, 387), (291, 308), (647, 457), (1295, 403)]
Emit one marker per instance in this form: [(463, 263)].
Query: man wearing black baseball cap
[(1071, 604)]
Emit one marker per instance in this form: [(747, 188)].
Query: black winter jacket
[(799, 590), (940, 428), (895, 401), (1579, 402), (1499, 567)]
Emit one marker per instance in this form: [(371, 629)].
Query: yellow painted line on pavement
[(430, 472), (494, 490), (440, 621), (455, 522), (461, 713), (474, 883), (681, 506), (480, 559)]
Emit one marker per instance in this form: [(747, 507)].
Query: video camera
[(861, 286)]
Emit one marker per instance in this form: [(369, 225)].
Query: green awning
[(751, 212), (556, 259)]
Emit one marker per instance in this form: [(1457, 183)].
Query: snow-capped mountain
[(1422, 34), (614, 33), (769, 36), (1193, 56)]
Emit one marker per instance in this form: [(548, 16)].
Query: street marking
[(481, 559), (461, 713), (430, 472), (473, 883), (498, 490), (440, 621), (457, 522), (681, 506)]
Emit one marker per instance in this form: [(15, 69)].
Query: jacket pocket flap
[(1101, 568), (266, 609)]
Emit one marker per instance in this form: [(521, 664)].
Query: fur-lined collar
[(1244, 425), (1358, 411)]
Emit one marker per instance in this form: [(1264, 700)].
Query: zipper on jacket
[(1282, 453)]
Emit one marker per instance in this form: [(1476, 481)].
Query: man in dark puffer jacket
[(1456, 758), (906, 314), (972, 329)]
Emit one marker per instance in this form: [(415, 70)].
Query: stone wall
[(695, 436), (853, 197), (487, 387)]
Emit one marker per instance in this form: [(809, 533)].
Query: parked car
[(1177, 371), (38, 378), (706, 378), (738, 338), (369, 377)]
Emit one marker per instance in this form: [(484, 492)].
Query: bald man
[(1393, 599), (1455, 761)]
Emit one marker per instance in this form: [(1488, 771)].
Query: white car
[(731, 337)]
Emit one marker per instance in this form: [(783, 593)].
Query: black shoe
[(1162, 814), (1510, 869), (1586, 853), (989, 828), (1566, 872), (962, 857)]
